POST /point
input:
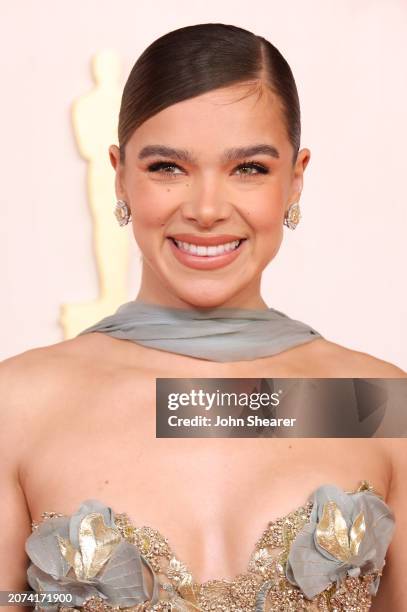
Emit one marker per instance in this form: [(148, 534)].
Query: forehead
[(209, 123)]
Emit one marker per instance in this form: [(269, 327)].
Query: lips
[(209, 259), (206, 240)]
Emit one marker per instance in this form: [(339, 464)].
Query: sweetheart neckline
[(364, 485), (251, 553)]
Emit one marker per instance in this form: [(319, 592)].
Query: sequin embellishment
[(265, 586)]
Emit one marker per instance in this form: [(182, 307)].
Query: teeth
[(207, 251)]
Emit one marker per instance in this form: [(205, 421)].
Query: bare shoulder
[(30, 380), (338, 361), (36, 365)]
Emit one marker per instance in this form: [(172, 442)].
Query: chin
[(208, 290), (212, 302), (198, 297)]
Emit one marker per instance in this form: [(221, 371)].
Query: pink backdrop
[(342, 270)]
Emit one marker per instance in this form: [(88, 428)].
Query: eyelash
[(156, 166)]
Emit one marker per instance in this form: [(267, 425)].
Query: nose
[(207, 204)]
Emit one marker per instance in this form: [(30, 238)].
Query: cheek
[(150, 206), (265, 217), (266, 213)]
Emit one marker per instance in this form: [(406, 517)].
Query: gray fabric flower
[(347, 534), (85, 555)]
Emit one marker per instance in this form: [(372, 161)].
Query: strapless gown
[(325, 555)]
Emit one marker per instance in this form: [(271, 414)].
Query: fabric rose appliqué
[(85, 555), (348, 534)]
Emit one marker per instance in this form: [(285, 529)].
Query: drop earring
[(292, 216), (122, 212)]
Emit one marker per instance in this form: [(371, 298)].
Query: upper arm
[(14, 513), (16, 527), (392, 593)]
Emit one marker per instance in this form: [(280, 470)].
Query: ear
[(301, 163), (114, 155)]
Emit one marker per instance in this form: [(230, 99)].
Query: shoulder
[(47, 388), (43, 376), (63, 373), (40, 365), (338, 361)]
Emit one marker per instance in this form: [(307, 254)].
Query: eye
[(162, 167), (168, 169), (259, 168)]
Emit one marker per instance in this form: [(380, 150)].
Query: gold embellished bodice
[(330, 536)]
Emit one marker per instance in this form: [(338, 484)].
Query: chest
[(211, 497)]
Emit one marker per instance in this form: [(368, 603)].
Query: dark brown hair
[(193, 60)]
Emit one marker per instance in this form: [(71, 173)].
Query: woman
[(79, 422)]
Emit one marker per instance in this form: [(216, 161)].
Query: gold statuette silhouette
[(95, 117)]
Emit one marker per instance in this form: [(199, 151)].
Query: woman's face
[(209, 190)]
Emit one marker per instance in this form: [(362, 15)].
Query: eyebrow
[(228, 155)]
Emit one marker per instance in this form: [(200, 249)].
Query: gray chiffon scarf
[(214, 334)]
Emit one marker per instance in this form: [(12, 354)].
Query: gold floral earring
[(292, 216), (122, 212)]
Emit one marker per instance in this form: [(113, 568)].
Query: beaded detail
[(264, 587)]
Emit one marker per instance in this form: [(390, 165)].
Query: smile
[(206, 257), (207, 251)]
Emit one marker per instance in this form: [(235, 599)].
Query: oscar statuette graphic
[(95, 118)]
